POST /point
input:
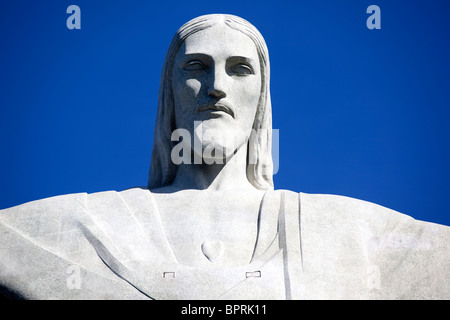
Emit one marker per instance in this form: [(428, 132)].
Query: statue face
[(216, 81)]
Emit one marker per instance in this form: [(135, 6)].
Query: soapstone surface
[(210, 224)]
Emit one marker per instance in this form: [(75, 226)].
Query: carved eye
[(241, 69), (194, 65)]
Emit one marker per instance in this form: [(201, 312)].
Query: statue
[(210, 224)]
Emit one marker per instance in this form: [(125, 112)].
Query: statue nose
[(218, 84), (217, 93)]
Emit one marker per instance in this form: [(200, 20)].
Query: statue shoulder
[(35, 214), (346, 216), (336, 206), (50, 221), (55, 215), (345, 206), (356, 209)]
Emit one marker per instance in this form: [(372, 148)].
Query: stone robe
[(111, 245)]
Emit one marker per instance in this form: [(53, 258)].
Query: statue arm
[(44, 253), (413, 259), (391, 255), (34, 239)]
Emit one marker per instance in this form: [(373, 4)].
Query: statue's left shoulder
[(409, 257), (346, 209)]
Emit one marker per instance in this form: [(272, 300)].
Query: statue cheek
[(193, 86), (186, 95), (248, 98)]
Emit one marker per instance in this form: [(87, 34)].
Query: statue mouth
[(216, 107)]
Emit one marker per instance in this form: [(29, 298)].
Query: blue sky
[(361, 113)]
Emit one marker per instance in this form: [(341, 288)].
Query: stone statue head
[(174, 111)]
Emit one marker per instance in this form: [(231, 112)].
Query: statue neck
[(231, 174)]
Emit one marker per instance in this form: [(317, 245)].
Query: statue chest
[(204, 237)]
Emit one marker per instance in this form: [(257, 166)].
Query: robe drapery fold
[(112, 245)]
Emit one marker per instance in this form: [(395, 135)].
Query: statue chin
[(213, 152), (215, 145)]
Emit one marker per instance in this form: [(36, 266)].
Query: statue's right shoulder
[(43, 209), (58, 214)]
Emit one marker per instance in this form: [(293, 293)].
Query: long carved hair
[(259, 157)]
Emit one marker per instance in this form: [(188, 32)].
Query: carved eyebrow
[(242, 58), (196, 56)]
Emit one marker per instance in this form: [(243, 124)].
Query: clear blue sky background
[(362, 113)]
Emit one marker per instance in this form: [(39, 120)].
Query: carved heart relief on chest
[(213, 250)]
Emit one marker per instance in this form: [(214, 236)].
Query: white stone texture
[(218, 230)]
